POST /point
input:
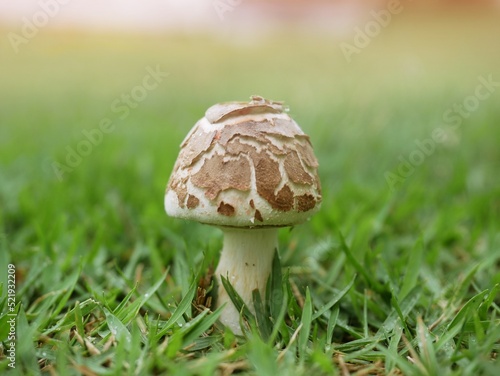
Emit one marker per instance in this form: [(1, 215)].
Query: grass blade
[(359, 268), (261, 316), (274, 293), (470, 306), (236, 299), (183, 306), (335, 299), (306, 326), (118, 329), (413, 269)]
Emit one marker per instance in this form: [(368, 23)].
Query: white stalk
[(246, 261)]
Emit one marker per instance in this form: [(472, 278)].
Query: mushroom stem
[(246, 261)]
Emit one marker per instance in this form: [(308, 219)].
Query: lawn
[(399, 272)]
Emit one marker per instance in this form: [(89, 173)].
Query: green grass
[(380, 281)]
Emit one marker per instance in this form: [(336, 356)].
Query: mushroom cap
[(245, 164)]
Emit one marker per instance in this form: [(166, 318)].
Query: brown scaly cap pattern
[(218, 174), (247, 161)]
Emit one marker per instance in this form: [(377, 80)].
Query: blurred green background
[(365, 116), (362, 116)]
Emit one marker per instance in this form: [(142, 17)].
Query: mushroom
[(248, 169)]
